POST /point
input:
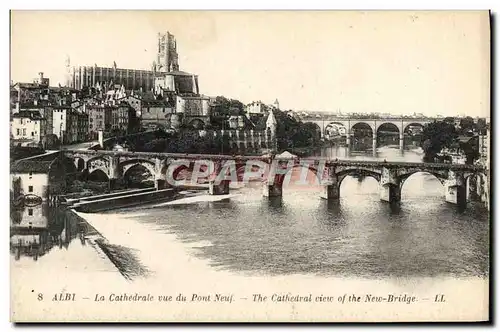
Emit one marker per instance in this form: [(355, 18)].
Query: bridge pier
[(112, 184), (160, 184), (482, 190), (217, 183), (331, 187), (390, 186), (218, 188), (374, 143), (159, 175), (473, 188), (273, 188), (330, 191), (401, 141), (456, 190), (114, 172), (348, 143), (390, 193)]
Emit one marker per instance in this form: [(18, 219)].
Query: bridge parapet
[(341, 162), (331, 172)]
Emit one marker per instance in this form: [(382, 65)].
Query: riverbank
[(128, 198)]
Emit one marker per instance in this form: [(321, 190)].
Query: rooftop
[(178, 73), (111, 68), (33, 115), (32, 165), (155, 102)]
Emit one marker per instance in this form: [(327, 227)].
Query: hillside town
[(119, 102)]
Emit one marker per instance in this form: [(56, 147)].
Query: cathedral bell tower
[(167, 59)]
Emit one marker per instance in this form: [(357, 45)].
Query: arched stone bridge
[(273, 171), (401, 124)]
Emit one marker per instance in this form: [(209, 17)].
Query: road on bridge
[(79, 146)]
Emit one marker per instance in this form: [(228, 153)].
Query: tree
[(436, 136), (471, 150), (467, 124), (481, 126), (226, 107), (290, 132), (449, 119)]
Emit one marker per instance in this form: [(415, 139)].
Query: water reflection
[(414, 154), (35, 230)]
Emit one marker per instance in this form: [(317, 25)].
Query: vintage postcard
[(250, 166)]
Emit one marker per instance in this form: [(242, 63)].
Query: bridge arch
[(297, 178), (196, 124), (316, 127), (412, 134), (98, 175), (362, 125), (128, 164), (441, 175), (408, 126), (80, 164), (387, 123), (98, 162), (357, 171), (424, 188), (391, 133), (335, 128), (137, 174), (178, 169), (361, 136)]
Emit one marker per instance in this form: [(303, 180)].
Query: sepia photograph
[(250, 166)]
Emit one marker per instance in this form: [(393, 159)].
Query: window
[(30, 212), (30, 189), (24, 131), (61, 117), (18, 131)]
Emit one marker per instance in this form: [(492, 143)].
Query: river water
[(245, 233)]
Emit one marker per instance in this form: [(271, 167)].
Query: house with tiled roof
[(37, 179), (27, 127)]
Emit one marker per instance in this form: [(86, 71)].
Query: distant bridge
[(330, 172), (349, 124)]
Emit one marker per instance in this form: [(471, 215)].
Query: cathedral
[(132, 79)]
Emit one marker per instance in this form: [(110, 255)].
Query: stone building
[(69, 125), (30, 178), (27, 127), (156, 113), (256, 107), (100, 118)]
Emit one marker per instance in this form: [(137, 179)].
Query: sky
[(393, 62)]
